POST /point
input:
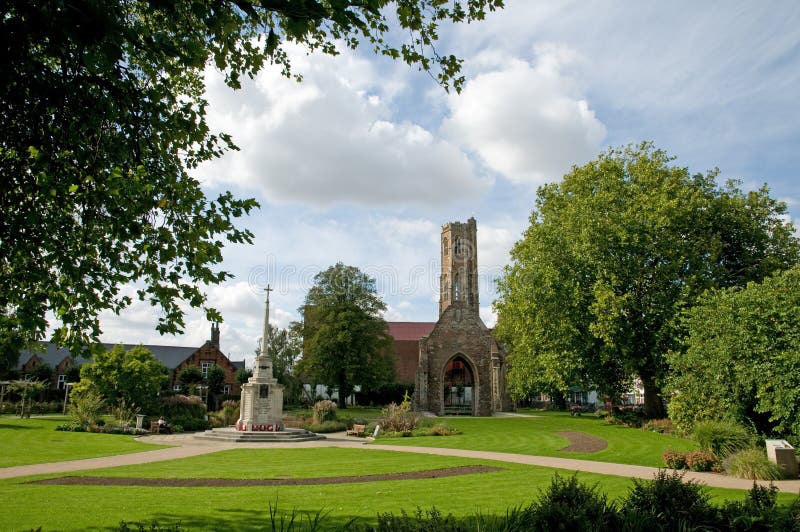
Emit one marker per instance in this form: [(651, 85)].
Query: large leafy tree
[(613, 254), (742, 358), (133, 378), (346, 342), (102, 118)]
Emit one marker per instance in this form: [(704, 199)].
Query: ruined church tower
[(459, 278), (461, 367)]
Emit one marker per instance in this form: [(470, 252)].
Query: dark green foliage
[(102, 118), (668, 502), (133, 376), (615, 251), (345, 339), (243, 375), (422, 521), (43, 373), (568, 504), (722, 438), (190, 376), (740, 358), (760, 512), (391, 392), (179, 408)]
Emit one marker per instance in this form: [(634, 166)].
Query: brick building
[(174, 357), (458, 367)]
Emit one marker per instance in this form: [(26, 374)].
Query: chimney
[(215, 334)]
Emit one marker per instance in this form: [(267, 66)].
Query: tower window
[(456, 287), (445, 246), (459, 248)]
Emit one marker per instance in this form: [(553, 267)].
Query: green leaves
[(614, 253), (345, 339)]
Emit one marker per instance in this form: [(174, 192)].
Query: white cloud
[(526, 120), (332, 138)]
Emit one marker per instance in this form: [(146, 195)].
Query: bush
[(327, 426), (189, 424), (441, 429), (227, 415), (399, 418), (86, 407), (182, 406), (759, 511), (668, 501), (674, 459), (627, 417), (324, 411), (752, 464), (661, 426), (568, 504), (722, 438), (700, 461)]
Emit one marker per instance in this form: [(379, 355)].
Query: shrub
[(86, 407), (327, 426), (674, 459), (441, 429), (700, 461), (182, 406), (721, 438), (668, 501), (752, 464), (189, 423), (759, 511), (227, 415), (661, 426), (324, 410), (567, 504), (628, 418), (399, 418)]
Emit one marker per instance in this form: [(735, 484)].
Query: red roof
[(410, 330)]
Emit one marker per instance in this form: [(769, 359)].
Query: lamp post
[(67, 386)]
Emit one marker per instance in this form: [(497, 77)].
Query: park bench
[(357, 430), (154, 427), (576, 410)]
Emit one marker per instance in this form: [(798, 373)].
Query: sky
[(366, 159)]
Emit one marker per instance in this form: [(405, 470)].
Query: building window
[(176, 388), (459, 247), (456, 287), (226, 389), (62, 381), (205, 366)]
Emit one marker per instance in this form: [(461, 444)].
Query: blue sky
[(366, 159)]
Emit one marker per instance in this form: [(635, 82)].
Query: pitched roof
[(169, 355), (410, 330)]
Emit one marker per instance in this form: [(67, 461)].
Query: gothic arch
[(459, 386)]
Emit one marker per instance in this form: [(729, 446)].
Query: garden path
[(185, 446)]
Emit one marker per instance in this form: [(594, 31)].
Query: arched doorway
[(458, 387)]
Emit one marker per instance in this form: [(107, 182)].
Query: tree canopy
[(614, 252), (132, 377), (742, 358), (346, 342), (102, 118)]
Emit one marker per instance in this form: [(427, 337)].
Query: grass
[(36, 441), (537, 436), (98, 507)]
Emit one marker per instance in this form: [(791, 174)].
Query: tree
[(189, 377), (133, 376), (741, 358), (102, 117), (215, 380), (345, 339), (243, 375), (613, 253)]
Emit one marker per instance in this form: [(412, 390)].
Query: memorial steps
[(282, 436)]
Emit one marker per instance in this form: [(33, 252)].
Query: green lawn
[(87, 507), (35, 441), (537, 436)]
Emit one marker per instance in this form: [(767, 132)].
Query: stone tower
[(461, 367), (459, 278)]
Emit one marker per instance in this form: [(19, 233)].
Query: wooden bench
[(357, 430), (154, 427)]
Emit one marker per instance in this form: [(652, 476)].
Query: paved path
[(186, 445)]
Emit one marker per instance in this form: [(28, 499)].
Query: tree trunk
[(653, 403)]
